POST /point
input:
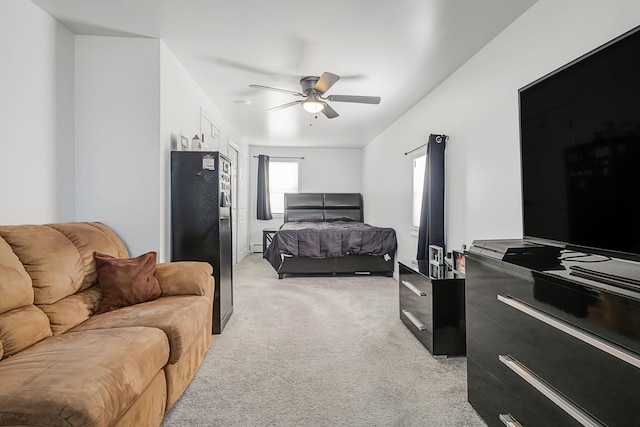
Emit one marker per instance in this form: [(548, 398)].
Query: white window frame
[(276, 193), (417, 185)]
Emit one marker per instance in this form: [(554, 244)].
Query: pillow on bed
[(305, 215), (341, 218), (343, 215)]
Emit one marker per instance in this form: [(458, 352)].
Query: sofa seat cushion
[(182, 318), (80, 378)]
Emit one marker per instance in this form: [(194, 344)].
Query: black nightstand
[(432, 307), (267, 237)]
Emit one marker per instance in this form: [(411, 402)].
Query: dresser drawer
[(613, 317), (415, 293), (525, 405)]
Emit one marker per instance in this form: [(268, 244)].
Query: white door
[(235, 198), (240, 202)]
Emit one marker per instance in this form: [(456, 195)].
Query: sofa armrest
[(185, 278)]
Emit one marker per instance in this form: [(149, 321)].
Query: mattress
[(329, 240)]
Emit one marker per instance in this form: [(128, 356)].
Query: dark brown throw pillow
[(126, 281)]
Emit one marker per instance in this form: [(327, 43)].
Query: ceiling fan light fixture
[(313, 106)]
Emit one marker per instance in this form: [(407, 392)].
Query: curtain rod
[(415, 149), (275, 157)]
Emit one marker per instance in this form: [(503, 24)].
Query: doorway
[(235, 194)]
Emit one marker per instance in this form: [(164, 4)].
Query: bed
[(325, 233)]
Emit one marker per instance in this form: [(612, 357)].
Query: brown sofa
[(63, 365)]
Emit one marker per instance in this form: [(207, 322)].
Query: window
[(283, 178), (419, 164)]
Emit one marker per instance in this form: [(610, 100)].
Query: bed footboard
[(350, 264)]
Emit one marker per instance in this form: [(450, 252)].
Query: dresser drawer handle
[(551, 394), (509, 421), (413, 319), (583, 336), (413, 288)]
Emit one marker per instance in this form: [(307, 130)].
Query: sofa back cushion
[(23, 327), (59, 260), (21, 323), (15, 284)]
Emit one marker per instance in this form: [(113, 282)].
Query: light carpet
[(320, 351)]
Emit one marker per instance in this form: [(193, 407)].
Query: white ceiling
[(396, 49)]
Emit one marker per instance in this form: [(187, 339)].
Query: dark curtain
[(264, 202), (431, 231)]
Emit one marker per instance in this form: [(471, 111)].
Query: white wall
[(123, 170), (88, 125), (36, 116), (323, 170), (117, 99), (478, 108)]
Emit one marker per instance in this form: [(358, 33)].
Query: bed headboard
[(323, 207)]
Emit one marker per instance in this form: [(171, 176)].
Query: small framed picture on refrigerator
[(437, 271), (436, 255), (458, 261)]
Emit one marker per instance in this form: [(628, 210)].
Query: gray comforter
[(328, 240)]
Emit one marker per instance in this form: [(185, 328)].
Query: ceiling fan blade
[(326, 81), (355, 98), (280, 107), (251, 69), (329, 112), (276, 89)]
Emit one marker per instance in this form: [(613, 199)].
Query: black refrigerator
[(201, 221)]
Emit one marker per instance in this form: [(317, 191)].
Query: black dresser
[(546, 347), (432, 306)]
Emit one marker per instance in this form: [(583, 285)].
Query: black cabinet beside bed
[(432, 306), (324, 233)]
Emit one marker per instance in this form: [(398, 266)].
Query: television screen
[(580, 150)]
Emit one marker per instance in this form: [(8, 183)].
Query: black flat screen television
[(580, 151)]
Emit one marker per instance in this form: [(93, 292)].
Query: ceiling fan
[(313, 90)]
